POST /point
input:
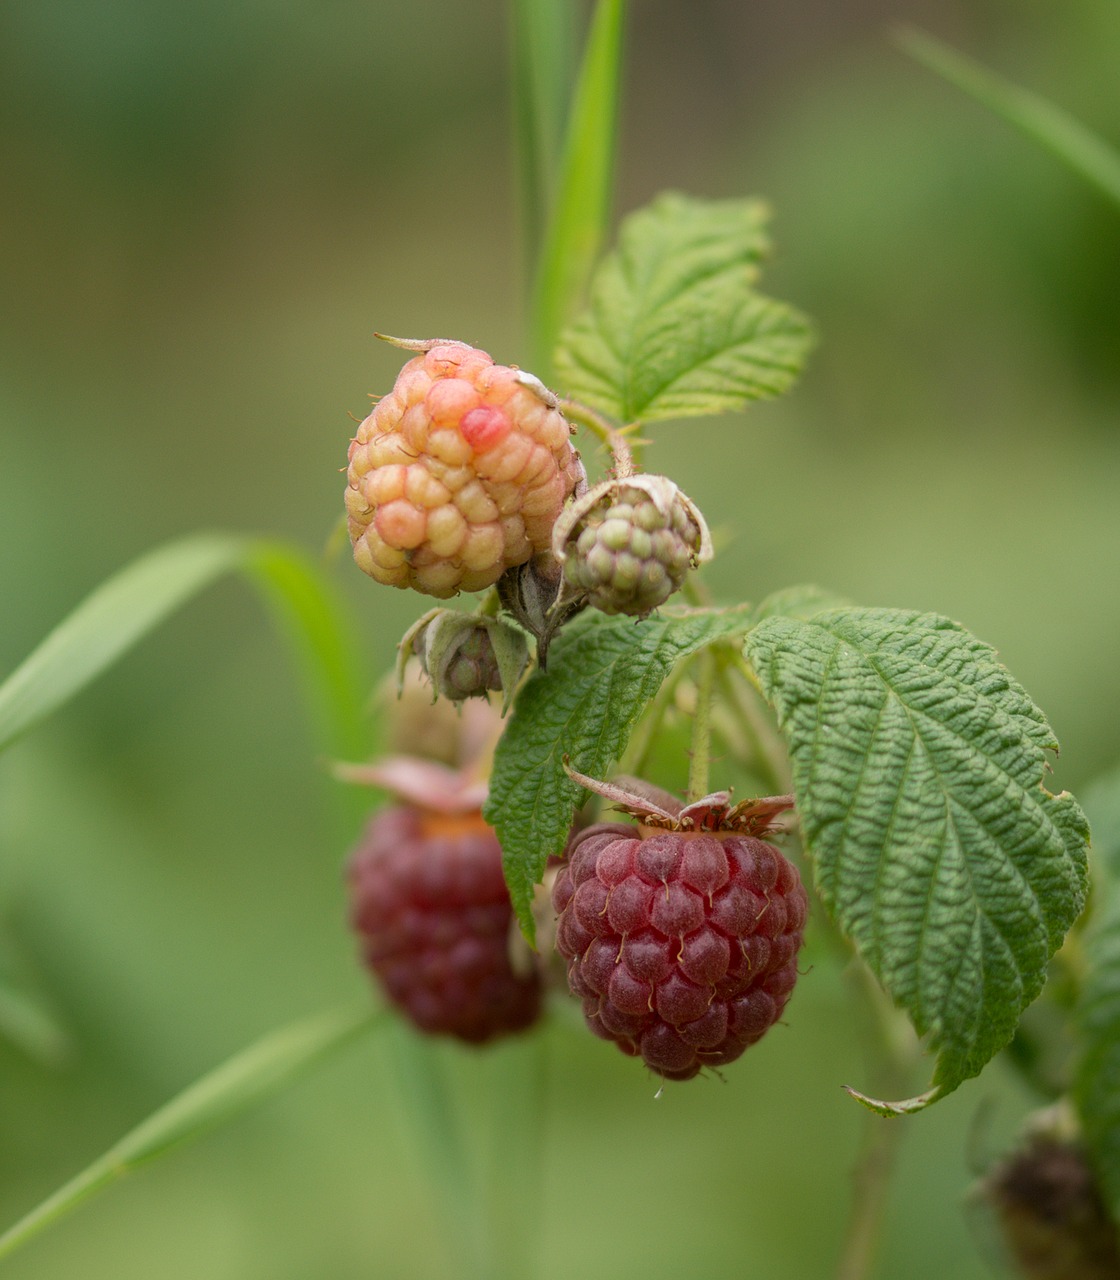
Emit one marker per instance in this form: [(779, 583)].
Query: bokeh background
[(206, 210)]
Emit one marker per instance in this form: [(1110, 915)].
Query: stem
[(517, 1092), (642, 739), (769, 756), (623, 464), (702, 726), (491, 605), (895, 1048), (871, 1182)]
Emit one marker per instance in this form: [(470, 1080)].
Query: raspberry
[(683, 947), (629, 543), (1049, 1206), (434, 917), (682, 944), (458, 474)]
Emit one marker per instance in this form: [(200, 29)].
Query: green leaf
[(542, 56), (107, 623), (119, 613), (1097, 1077), (674, 328), (583, 199), (1080, 148), (308, 614), (802, 603), (602, 673), (918, 766), (265, 1067)]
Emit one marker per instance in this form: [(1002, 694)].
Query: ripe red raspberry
[(434, 917), (458, 474), (682, 943)]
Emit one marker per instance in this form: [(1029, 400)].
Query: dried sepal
[(653, 807)]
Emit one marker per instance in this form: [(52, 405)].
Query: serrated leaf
[(802, 602), (1097, 1078), (918, 766), (248, 1077), (675, 328), (602, 673)]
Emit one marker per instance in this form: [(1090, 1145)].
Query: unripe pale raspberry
[(434, 917), (458, 474), (629, 543), (681, 943)]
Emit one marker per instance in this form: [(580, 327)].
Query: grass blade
[(278, 1059), (582, 206), (109, 622), (1060, 133), (120, 612), (307, 613), (543, 40)]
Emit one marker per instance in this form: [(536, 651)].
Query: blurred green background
[(206, 210)]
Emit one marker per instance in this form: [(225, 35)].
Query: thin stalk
[(423, 1089), (642, 739), (543, 40), (623, 456), (517, 1093), (702, 726), (491, 604), (585, 181), (769, 756), (895, 1053), (264, 1068)]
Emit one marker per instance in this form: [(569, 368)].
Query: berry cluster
[(680, 935)]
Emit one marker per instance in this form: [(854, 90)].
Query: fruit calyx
[(663, 811)]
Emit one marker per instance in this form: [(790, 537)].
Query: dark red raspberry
[(434, 916), (682, 945)]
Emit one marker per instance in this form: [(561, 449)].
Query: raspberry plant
[(900, 765)]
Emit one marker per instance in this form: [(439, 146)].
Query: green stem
[(491, 604), (624, 463), (516, 1114), (424, 1094), (255, 1073), (702, 726), (894, 1046), (768, 755), (642, 739)]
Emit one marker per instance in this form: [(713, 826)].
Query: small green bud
[(629, 543), (465, 655)]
